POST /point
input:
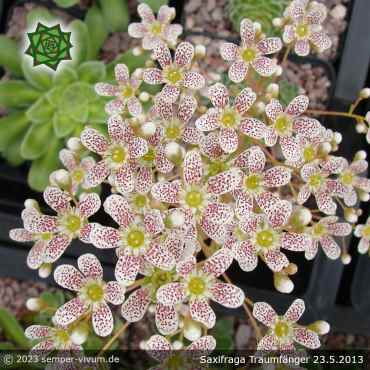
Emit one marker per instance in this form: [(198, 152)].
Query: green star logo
[(49, 45)]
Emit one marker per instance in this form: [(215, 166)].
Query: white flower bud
[(260, 107), (283, 283), (257, 27), (31, 203), (142, 345), (320, 327), (151, 309), (45, 270), (357, 231), (338, 137), (60, 178), (361, 154), (273, 89), (177, 345), (74, 144), (148, 129), (200, 51), (277, 22), (339, 12), (80, 333), (305, 216), (174, 152), (363, 196), (34, 304), (367, 117), (144, 96), (278, 71), (192, 330), (361, 128), (346, 259), (136, 51), (350, 215), (365, 93), (326, 147), (175, 219)]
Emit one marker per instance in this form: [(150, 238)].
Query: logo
[(49, 45)]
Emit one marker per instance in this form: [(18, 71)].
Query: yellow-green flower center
[(249, 55), (283, 124), (175, 362), (61, 336), (216, 167), (194, 198), (347, 178), (73, 223), (118, 154), (265, 238), (302, 30), (156, 28), (319, 230), (315, 180), (196, 285), (95, 292), (366, 231), (135, 239), (78, 175), (281, 329), (252, 182), (173, 131), (309, 154), (160, 277), (149, 156), (46, 236), (173, 75), (229, 118), (127, 91), (140, 201)]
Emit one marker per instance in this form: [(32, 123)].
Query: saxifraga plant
[(45, 108)]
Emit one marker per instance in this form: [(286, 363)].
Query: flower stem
[(357, 117), (285, 57), (115, 336)]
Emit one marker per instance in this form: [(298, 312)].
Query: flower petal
[(119, 209), (256, 159), (295, 311), (167, 192), (325, 204), (269, 45), (270, 136), (38, 332), (21, 235), (246, 255), (134, 106), (124, 180), (56, 247), (209, 146), (219, 213), (228, 140), (134, 308), (267, 343), (166, 319), (185, 267), (218, 263), (229, 51), (35, 257), (273, 109), (244, 100), (276, 260), (330, 247), (90, 266), (238, 71), (137, 147), (67, 276), (302, 48), (114, 293), (166, 14), (208, 121), (56, 198), (202, 346), (102, 320), (288, 34), (227, 295), (97, 174), (192, 168), (264, 66), (89, 205), (194, 80), (162, 54), (339, 228), (219, 95), (276, 176), (93, 140), (295, 242), (153, 221), (307, 127), (321, 41), (70, 312), (188, 105), (202, 312), (170, 93), (144, 180), (264, 313), (146, 13), (225, 182), (184, 54), (171, 294), (306, 338), (158, 256), (297, 106), (127, 268), (153, 76), (247, 31), (115, 106), (104, 237), (291, 148), (158, 347), (105, 89), (137, 30)]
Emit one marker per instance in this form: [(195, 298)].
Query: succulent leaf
[(116, 14), (11, 127), (91, 71), (9, 56), (41, 111), (39, 78), (34, 143)]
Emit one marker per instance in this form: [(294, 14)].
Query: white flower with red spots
[(53, 234), (255, 184), (137, 239), (176, 75), (363, 232), (284, 331), (324, 232), (353, 183), (198, 285), (255, 237), (161, 350), (125, 92), (50, 339), (92, 294), (229, 119), (119, 154), (303, 28), (251, 52), (284, 123), (154, 31)]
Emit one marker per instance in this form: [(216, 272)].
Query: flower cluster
[(199, 179)]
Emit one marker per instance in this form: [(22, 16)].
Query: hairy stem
[(115, 336)]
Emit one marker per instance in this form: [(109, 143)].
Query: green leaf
[(130, 60), (35, 142), (13, 152), (97, 112), (38, 176), (39, 78), (66, 3), (65, 76), (116, 14), (92, 71), (224, 333), (10, 55), (53, 299), (6, 346), (12, 329), (12, 126), (98, 31), (154, 4), (63, 125), (80, 41), (41, 111), (17, 94), (55, 95), (39, 15), (74, 102)]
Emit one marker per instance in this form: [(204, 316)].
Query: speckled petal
[(247, 31), (153, 76), (187, 107), (273, 109), (144, 180), (238, 71), (256, 159), (153, 221), (70, 312), (359, 166), (312, 250), (288, 34), (184, 54), (202, 346), (104, 237), (38, 332), (136, 305), (218, 263), (115, 106), (21, 235), (89, 205), (276, 176), (228, 140), (330, 247), (202, 312), (229, 51), (127, 268), (253, 128), (264, 66), (114, 293), (171, 294), (158, 256), (185, 267), (306, 338), (137, 30), (297, 106), (225, 182), (35, 257), (210, 146), (56, 247), (295, 242), (271, 136), (94, 141), (269, 45), (105, 89), (219, 95), (321, 41), (227, 295), (208, 121), (246, 255), (167, 192), (67, 276), (162, 54), (191, 135), (325, 203), (264, 313), (276, 260), (56, 198), (124, 180), (121, 73), (37, 223), (170, 93), (291, 148), (244, 100), (158, 347), (303, 195), (339, 228), (166, 319), (192, 167), (295, 311), (162, 163), (102, 320), (302, 48), (307, 127), (90, 266), (134, 106), (219, 213), (244, 204), (166, 14), (137, 147), (145, 13), (119, 209), (194, 80), (267, 343), (97, 174)]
